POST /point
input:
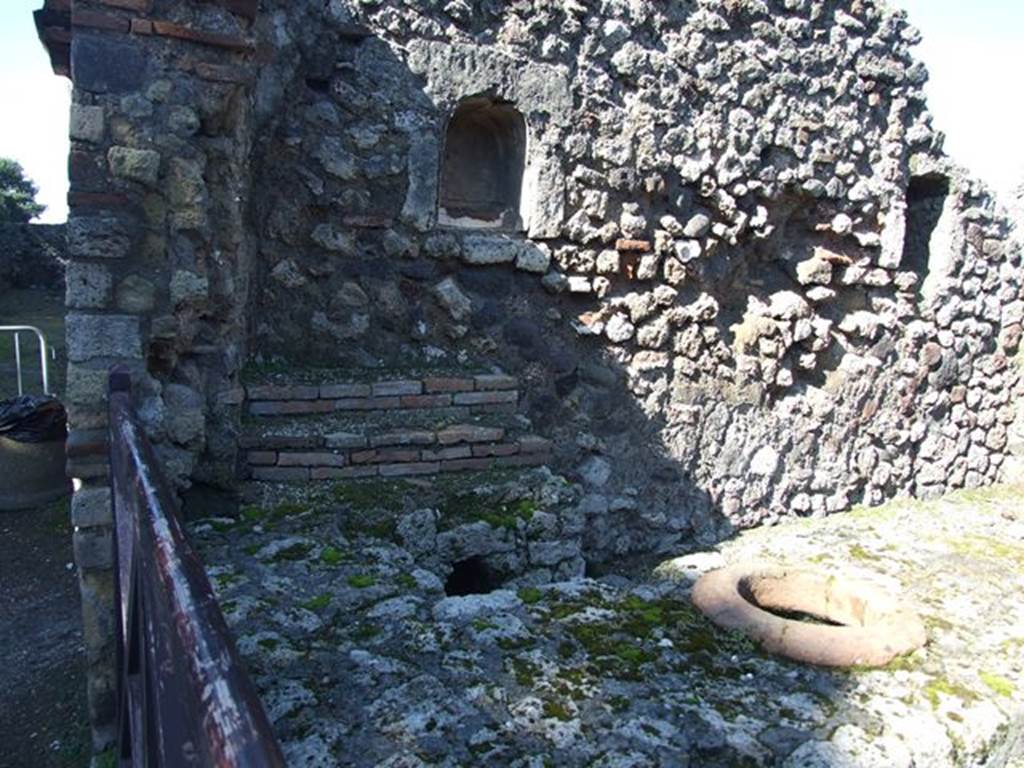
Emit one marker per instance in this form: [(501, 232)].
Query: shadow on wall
[(685, 386), (351, 277)]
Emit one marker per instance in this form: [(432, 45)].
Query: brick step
[(483, 393), (390, 453)]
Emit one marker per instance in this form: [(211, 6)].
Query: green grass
[(45, 311)]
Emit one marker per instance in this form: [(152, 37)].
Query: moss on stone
[(332, 556), (998, 684), (470, 507), (530, 595), (525, 672), (361, 580), (987, 547), (858, 552), (317, 603), (368, 495), (297, 551), (557, 710), (945, 687), (406, 580)]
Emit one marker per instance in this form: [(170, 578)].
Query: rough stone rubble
[(362, 660)]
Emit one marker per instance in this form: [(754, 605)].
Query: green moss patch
[(361, 580), (945, 687), (998, 684), (317, 603)]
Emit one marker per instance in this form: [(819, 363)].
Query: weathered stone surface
[(558, 655), (142, 165), (103, 336), (88, 286), (188, 286), (490, 249), (97, 238), (451, 297), (330, 237), (135, 295), (87, 123), (105, 65), (91, 508)]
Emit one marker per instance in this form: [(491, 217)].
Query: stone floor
[(362, 660)]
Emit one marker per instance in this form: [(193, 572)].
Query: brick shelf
[(481, 394), (392, 451), (397, 454)]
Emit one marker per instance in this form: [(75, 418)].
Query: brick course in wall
[(392, 452)]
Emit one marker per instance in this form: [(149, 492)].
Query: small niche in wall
[(928, 247), (483, 164)]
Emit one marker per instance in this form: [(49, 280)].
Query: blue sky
[(974, 51)]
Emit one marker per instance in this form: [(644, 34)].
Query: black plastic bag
[(33, 419)]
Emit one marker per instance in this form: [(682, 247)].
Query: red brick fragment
[(467, 465), (393, 388), (492, 382), (405, 437), (262, 458), (98, 20), (634, 246), (342, 391), (386, 455), (128, 5), (406, 470), (486, 398), (426, 401), (469, 433), (275, 392), (317, 459), (503, 449), (447, 384), (290, 407), (367, 404), (446, 454)]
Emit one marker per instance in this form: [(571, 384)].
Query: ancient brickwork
[(738, 281), (158, 250)]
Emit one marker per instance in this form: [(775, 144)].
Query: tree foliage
[(17, 194)]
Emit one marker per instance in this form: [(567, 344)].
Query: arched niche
[(483, 166)]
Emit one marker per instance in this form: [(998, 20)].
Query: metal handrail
[(184, 696), (44, 364)]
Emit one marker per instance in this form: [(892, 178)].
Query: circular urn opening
[(828, 620)]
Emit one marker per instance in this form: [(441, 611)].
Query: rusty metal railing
[(184, 697)]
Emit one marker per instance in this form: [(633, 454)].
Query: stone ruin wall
[(751, 285), (724, 312)]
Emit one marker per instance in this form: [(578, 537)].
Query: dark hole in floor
[(472, 576)]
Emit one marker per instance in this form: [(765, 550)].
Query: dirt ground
[(43, 720)]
